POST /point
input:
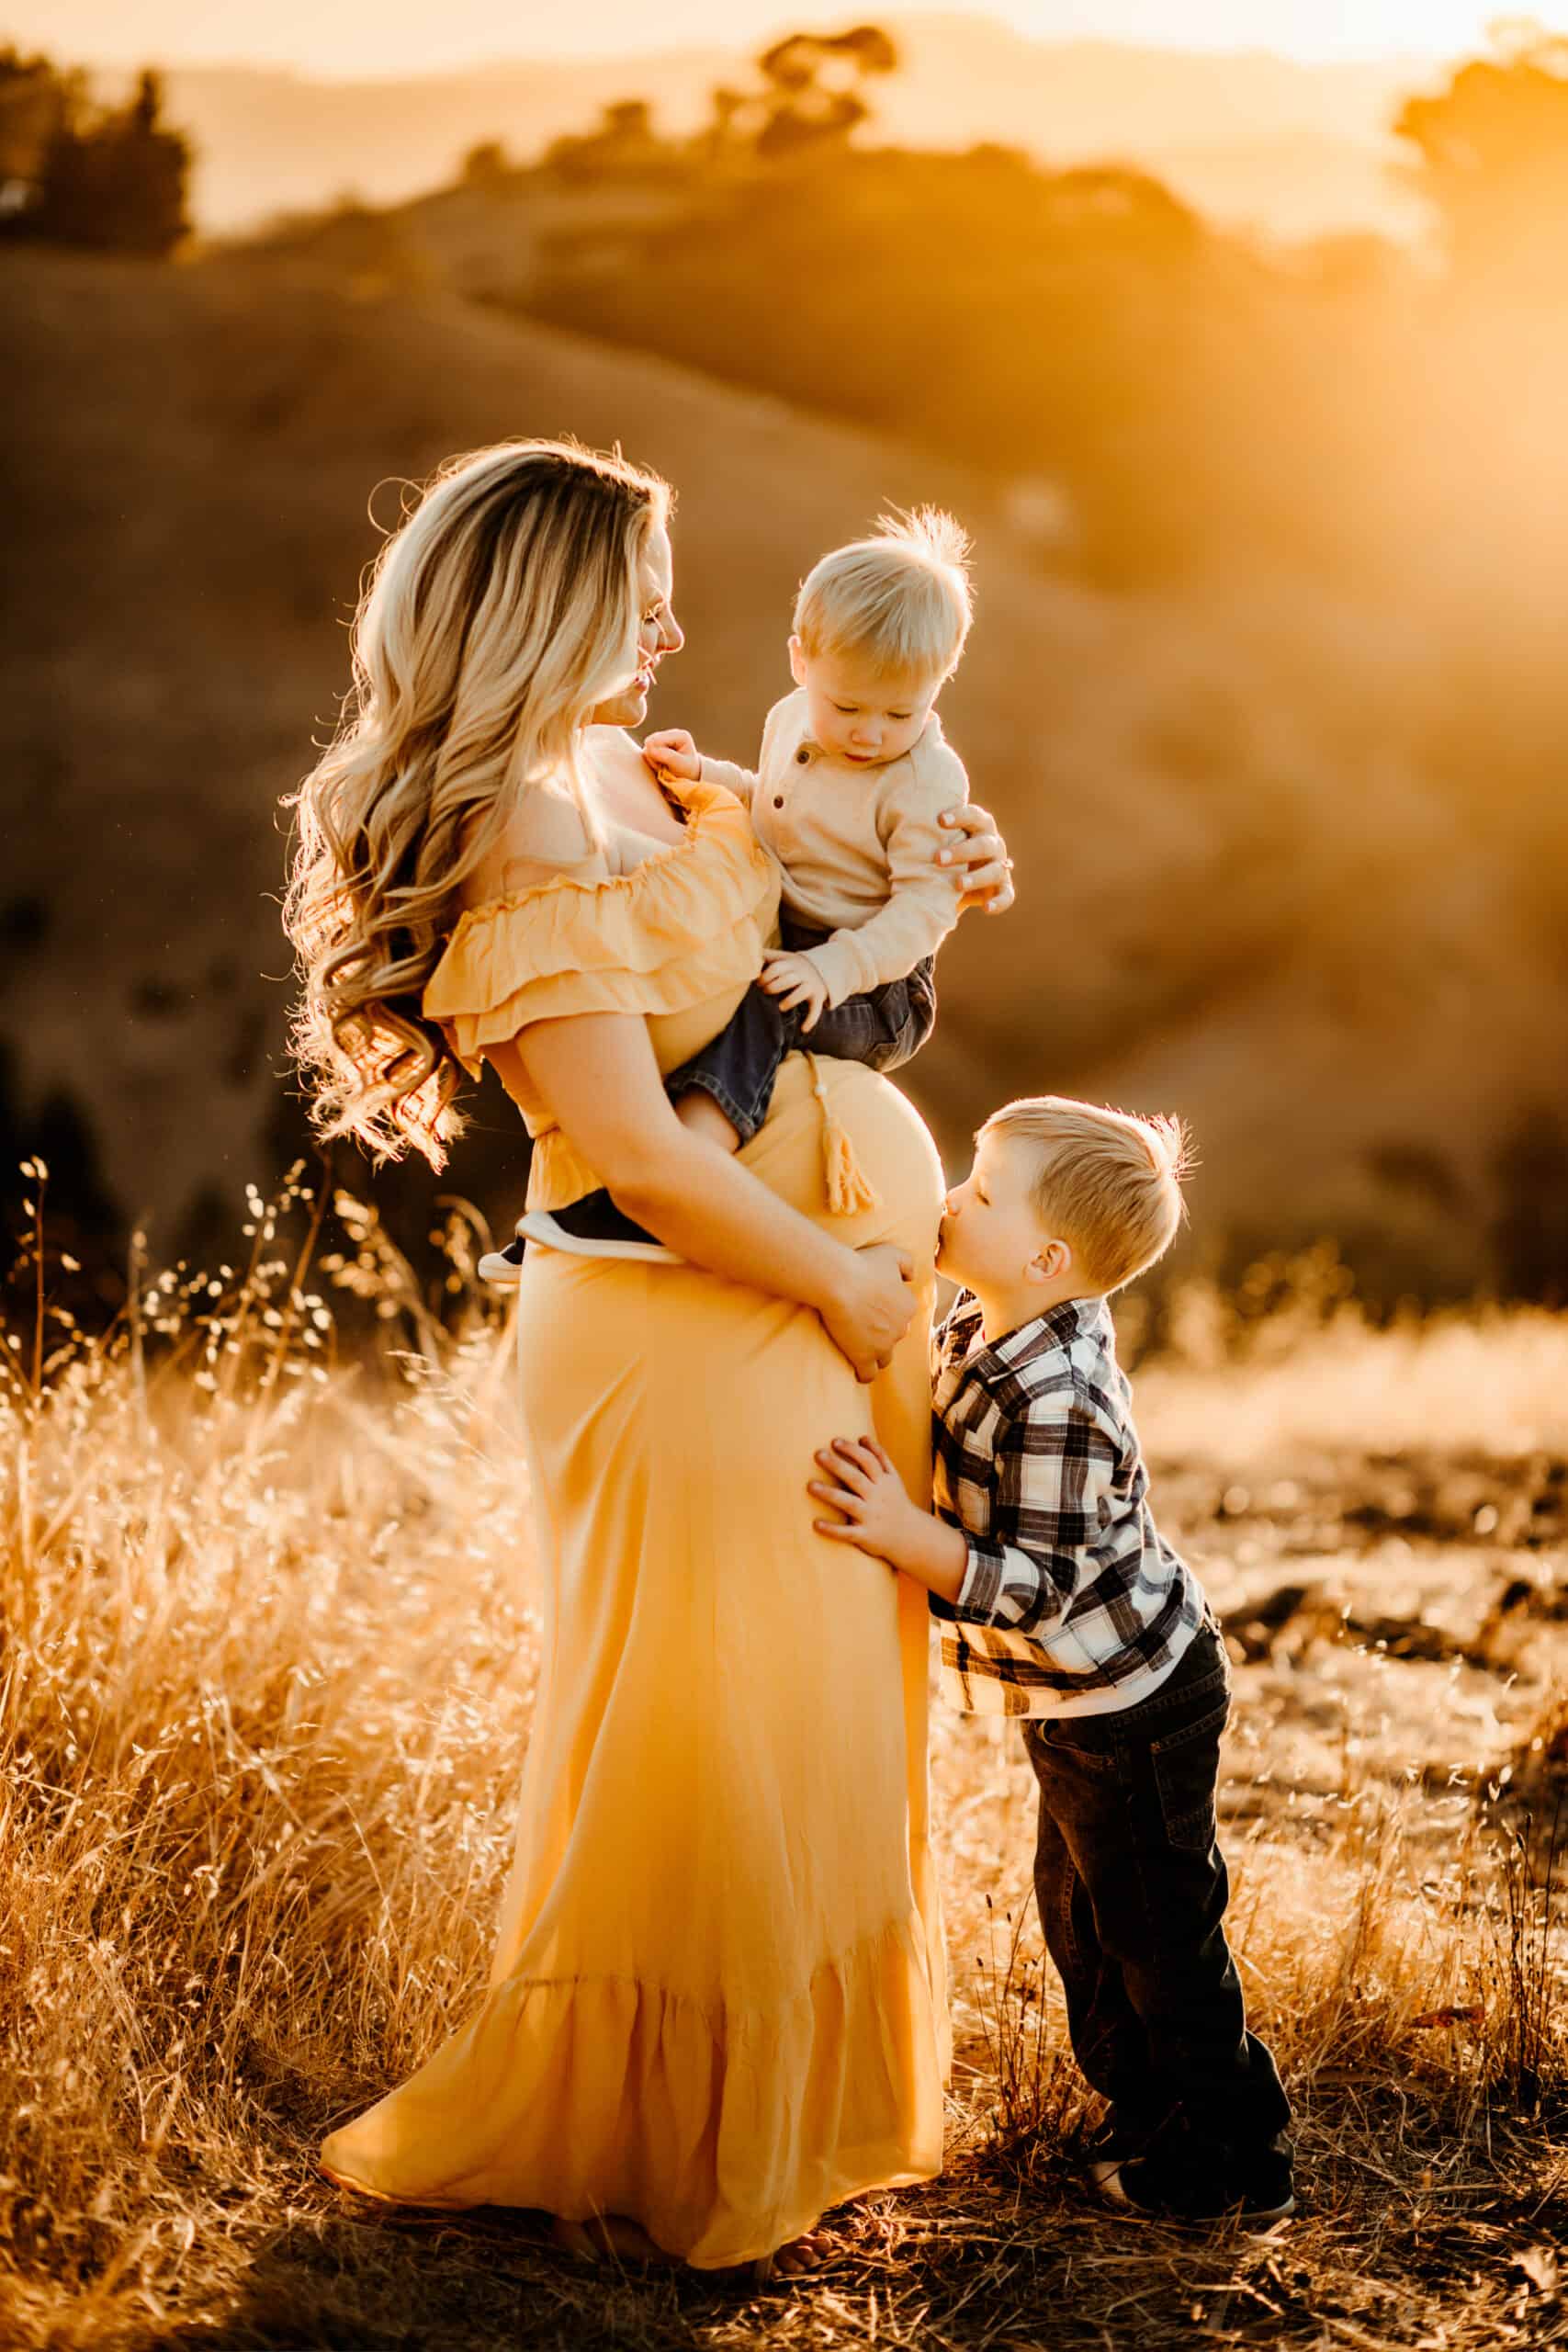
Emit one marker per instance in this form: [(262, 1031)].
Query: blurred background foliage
[(76, 172), (1267, 685)]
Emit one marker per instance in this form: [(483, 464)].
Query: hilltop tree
[(624, 145), (487, 164), (811, 96), (816, 93), (1493, 151), (33, 99), (110, 179)]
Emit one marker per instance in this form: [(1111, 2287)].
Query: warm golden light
[(1230, 334), (368, 37)]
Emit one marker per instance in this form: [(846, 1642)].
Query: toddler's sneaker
[(592, 1227), (1183, 2184), (583, 1236), (503, 1267)]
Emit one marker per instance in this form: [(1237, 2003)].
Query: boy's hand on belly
[(797, 980), (878, 1517)]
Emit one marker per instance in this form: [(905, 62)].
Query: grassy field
[(267, 1689)]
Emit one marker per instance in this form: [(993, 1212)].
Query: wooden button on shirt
[(856, 847)]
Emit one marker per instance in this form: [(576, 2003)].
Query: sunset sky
[(382, 37)]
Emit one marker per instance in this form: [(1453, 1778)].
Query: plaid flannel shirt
[(1073, 1602)]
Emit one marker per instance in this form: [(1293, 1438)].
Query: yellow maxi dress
[(718, 2002)]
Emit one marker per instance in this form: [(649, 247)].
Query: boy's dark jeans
[(884, 1029), (1132, 1888)]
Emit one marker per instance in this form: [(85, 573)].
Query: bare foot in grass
[(608, 2237)]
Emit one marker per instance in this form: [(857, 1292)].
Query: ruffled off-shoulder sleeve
[(688, 923)]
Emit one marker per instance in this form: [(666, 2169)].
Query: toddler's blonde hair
[(1107, 1182), (900, 598)]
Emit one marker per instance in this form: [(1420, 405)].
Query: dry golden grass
[(268, 1662)]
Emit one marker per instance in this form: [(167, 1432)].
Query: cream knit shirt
[(856, 845)]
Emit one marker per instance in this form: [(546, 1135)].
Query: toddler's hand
[(861, 1482), (673, 752), (797, 980)]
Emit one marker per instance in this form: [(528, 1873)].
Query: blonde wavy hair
[(493, 622)]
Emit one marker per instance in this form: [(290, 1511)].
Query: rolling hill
[(1238, 895), (1250, 138)]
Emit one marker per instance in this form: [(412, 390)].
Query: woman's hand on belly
[(876, 1309)]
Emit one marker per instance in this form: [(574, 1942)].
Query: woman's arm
[(598, 1075)]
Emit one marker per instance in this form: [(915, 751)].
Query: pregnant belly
[(893, 1147)]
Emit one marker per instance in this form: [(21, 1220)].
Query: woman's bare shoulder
[(610, 744), (613, 752), (545, 837)]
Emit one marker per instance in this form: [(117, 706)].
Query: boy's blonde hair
[(900, 597), (1108, 1182)]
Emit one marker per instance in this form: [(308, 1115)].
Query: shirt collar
[(1042, 1334)]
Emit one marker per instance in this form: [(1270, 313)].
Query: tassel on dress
[(849, 1188)]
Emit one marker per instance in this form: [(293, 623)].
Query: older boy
[(1067, 1608)]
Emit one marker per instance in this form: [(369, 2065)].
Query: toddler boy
[(853, 780), (1065, 1606)]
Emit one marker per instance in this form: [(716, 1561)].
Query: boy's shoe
[(1114, 2145), (1178, 2182)]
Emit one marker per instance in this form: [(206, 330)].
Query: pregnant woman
[(716, 2005)]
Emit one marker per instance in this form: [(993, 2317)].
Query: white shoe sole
[(1258, 2223), (540, 1226), (504, 1272)]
